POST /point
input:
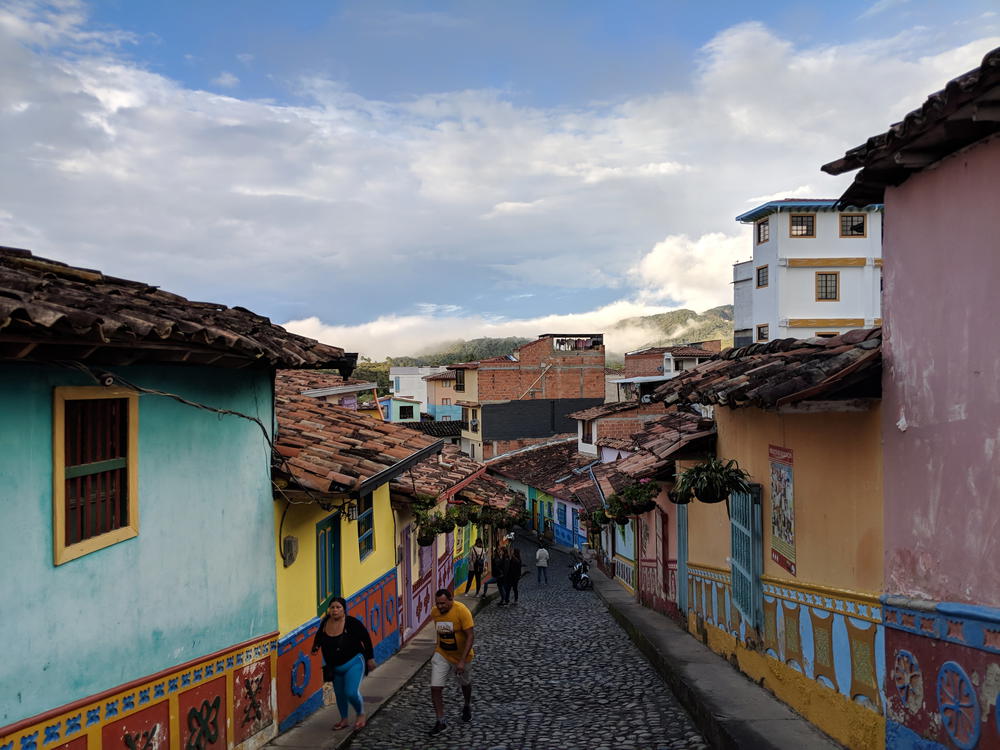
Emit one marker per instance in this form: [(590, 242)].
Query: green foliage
[(460, 351), (712, 481), (682, 326), (376, 372), (634, 499)]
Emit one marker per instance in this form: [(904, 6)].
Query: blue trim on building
[(938, 620), (899, 737), (293, 638), (308, 707), (385, 648)]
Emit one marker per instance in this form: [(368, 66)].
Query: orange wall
[(837, 460)]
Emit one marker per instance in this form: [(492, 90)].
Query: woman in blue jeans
[(347, 656)]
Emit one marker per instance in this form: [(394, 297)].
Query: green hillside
[(681, 326)]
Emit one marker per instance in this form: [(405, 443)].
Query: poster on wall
[(782, 508)]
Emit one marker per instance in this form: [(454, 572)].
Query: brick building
[(512, 401)]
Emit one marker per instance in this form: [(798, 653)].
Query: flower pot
[(677, 499), (712, 496), (425, 540)]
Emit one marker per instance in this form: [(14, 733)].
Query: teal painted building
[(137, 536), (397, 409)]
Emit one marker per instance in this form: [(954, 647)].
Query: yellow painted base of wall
[(849, 723)]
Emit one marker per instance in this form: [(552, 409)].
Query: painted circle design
[(958, 705), (390, 609), (299, 686), (907, 678), (375, 618)]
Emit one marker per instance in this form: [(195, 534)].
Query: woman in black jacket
[(347, 656)]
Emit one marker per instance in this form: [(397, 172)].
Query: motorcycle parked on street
[(580, 577)]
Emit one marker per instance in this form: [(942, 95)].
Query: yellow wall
[(355, 573), (297, 583), (837, 494)]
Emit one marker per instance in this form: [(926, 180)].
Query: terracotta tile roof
[(50, 310), (540, 466), (945, 123), (783, 371), (660, 440), (449, 375), (452, 474), (310, 380), (329, 449), (447, 428), (583, 489), (621, 444), (616, 408), (676, 351)]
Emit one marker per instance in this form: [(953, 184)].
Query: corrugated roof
[(53, 311), (960, 114)]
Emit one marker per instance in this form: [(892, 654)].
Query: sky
[(388, 176)]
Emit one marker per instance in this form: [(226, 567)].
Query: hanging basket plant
[(599, 519), (639, 497), (460, 515), (426, 538), (712, 481), (677, 499)]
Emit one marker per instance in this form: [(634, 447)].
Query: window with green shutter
[(746, 553)]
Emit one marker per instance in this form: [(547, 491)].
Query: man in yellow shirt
[(455, 636)]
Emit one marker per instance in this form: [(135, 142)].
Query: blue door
[(327, 561), (576, 527)]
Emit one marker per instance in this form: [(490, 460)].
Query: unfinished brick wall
[(624, 426), (637, 365), (499, 447), (543, 372)]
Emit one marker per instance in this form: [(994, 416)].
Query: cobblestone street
[(553, 671)]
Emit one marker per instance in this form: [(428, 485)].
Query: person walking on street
[(477, 563), (347, 656), (502, 576), (497, 565), (455, 636), (511, 576), (542, 564)]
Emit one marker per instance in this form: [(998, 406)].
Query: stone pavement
[(555, 671), (552, 671)]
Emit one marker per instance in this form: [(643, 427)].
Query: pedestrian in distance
[(542, 564), (477, 564), (348, 656), (512, 575), (503, 581), (497, 565), (453, 656)]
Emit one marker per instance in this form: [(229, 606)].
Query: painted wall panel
[(197, 579)]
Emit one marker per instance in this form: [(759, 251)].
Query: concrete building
[(516, 400), (816, 271), (409, 382)]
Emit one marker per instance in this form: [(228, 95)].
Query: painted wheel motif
[(375, 618), (299, 686), (908, 680), (958, 705), (390, 609)]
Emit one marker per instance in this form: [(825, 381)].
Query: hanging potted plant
[(639, 497), (460, 515), (425, 536), (617, 510), (712, 481), (599, 519)]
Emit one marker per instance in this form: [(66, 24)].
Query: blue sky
[(387, 175)]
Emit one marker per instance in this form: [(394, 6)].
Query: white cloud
[(246, 58), (114, 166), (226, 79)]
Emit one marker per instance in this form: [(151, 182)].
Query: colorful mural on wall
[(193, 705)]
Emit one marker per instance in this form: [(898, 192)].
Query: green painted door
[(327, 562)]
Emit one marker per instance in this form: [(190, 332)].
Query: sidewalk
[(378, 688), (727, 707)]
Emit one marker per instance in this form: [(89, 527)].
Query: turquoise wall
[(199, 577)]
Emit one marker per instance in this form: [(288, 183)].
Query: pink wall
[(942, 376)]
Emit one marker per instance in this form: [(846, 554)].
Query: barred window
[(762, 275), (95, 469), (802, 225), (763, 231), (762, 333), (366, 526), (827, 286), (853, 225), (406, 412)]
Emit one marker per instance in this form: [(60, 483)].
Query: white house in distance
[(409, 381), (816, 271)]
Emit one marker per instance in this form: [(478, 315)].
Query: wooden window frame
[(764, 224), (446, 402), (757, 338), (756, 275), (791, 217), (840, 226), (366, 513), (816, 286), (63, 552), (460, 381)]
